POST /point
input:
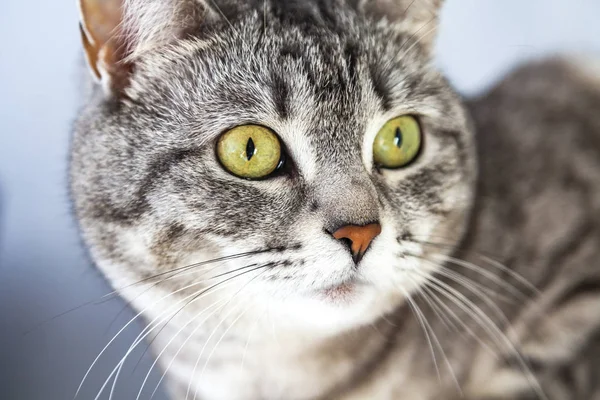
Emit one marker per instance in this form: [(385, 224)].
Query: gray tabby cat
[(300, 207)]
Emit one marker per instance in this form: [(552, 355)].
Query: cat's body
[(298, 321)]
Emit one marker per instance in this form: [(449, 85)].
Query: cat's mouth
[(341, 291)]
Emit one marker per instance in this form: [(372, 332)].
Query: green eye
[(249, 151), (397, 143)]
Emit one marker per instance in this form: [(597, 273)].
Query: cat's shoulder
[(538, 138), (559, 84), (553, 100)]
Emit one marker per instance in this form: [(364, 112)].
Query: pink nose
[(360, 238)]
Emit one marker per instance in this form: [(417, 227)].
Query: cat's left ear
[(420, 18)]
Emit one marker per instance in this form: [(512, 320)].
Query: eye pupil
[(398, 138), (250, 149)]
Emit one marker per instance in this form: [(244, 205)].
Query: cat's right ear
[(104, 42), (115, 33)]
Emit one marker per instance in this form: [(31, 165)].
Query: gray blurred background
[(43, 268)]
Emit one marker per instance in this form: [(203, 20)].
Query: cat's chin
[(338, 308)]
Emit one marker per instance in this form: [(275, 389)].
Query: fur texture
[(253, 298)]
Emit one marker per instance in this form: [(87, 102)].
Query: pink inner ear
[(103, 41), (101, 20)]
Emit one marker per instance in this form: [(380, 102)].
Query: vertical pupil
[(398, 138), (250, 149)]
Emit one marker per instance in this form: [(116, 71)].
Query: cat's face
[(153, 196)]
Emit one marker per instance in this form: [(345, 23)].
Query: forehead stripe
[(280, 94)]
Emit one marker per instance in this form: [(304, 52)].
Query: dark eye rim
[(284, 167), (417, 118)]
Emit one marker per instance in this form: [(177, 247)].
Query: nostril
[(346, 242)]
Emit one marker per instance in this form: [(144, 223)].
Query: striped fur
[(484, 282)]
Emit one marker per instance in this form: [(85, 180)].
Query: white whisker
[(488, 325), (489, 260), (220, 340), (422, 291), (212, 333), (512, 273), (418, 315), (150, 327), (252, 329), (439, 345), (483, 272), (460, 321), (180, 348), (140, 313), (145, 332)]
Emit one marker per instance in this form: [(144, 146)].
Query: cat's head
[(312, 141)]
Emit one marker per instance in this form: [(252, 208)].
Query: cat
[(299, 205)]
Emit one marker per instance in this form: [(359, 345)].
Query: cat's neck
[(252, 356)]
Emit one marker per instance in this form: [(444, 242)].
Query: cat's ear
[(104, 43), (420, 18), (117, 32)]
